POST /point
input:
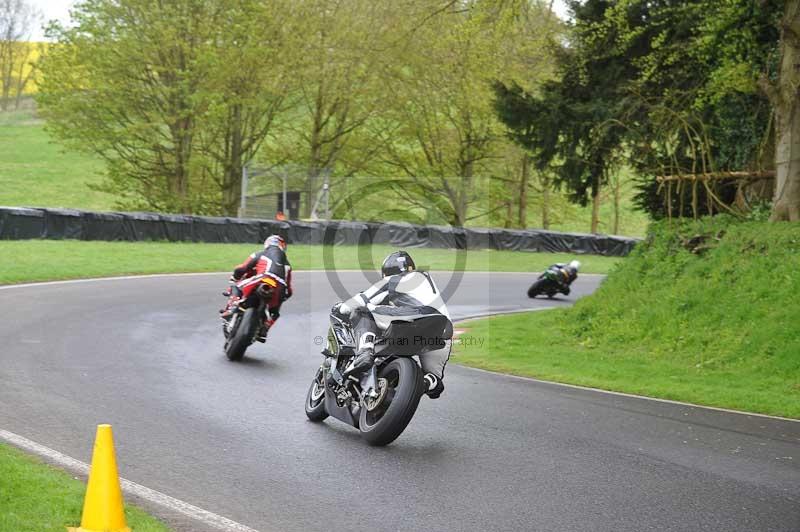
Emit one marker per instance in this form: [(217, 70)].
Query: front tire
[(315, 398), (242, 336), (536, 288), (388, 420)]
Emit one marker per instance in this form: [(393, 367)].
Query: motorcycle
[(381, 402), (245, 320), (556, 278)]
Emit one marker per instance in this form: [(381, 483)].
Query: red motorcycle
[(246, 317)]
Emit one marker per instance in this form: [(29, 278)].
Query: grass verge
[(35, 497), (41, 260), (714, 326)]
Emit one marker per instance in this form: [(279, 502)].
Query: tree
[(123, 82), (339, 87), (784, 98), (658, 84), (174, 96), (250, 74), (17, 20), (569, 125), (445, 133)]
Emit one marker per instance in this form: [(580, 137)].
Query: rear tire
[(315, 398), (242, 336), (536, 288), (387, 422)]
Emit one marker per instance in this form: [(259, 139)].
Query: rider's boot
[(434, 386), (227, 310), (365, 356), (272, 317)]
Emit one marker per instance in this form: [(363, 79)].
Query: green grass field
[(67, 259), (717, 329), (35, 497), (36, 172)]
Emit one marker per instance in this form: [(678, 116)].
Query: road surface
[(494, 453)]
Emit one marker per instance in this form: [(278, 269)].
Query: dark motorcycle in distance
[(556, 278), (381, 402), (244, 320)]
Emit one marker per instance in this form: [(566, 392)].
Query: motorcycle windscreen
[(415, 335)]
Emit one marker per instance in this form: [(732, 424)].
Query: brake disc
[(374, 402)]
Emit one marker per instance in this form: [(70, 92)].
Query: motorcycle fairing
[(412, 335), (342, 413)]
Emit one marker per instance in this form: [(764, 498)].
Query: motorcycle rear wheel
[(384, 423), (315, 398), (242, 335)]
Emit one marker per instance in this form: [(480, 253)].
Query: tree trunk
[(178, 179), (7, 66), (595, 205), (786, 202), (22, 79), (232, 188), (522, 215), (617, 194), (545, 201), (462, 206)]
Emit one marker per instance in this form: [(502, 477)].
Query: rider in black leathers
[(403, 294)]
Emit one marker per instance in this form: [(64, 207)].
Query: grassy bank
[(35, 497), (36, 172), (39, 260), (717, 326)]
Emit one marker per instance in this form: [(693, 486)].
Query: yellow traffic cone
[(102, 507)]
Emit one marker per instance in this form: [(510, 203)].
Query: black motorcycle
[(381, 401), (557, 278)]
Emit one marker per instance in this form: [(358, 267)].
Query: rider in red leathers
[(271, 262)]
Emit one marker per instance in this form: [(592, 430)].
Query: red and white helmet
[(275, 240)]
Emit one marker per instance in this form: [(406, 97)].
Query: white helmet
[(575, 265), (275, 240)]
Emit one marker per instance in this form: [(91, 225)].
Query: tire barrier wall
[(17, 223)]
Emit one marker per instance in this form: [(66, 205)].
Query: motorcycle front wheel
[(400, 388), (315, 398), (241, 336), (536, 288)]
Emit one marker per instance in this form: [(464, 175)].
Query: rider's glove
[(342, 310)]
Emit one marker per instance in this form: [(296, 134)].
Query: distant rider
[(271, 261), (402, 294), (568, 273)]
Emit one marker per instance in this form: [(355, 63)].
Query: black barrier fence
[(17, 223)]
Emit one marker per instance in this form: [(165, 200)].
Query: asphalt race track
[(494, 453)]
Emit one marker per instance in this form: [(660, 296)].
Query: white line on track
[(131, 488)]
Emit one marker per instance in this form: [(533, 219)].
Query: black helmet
[(397, 262)]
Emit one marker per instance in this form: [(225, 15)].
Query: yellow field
[(30, 53)]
